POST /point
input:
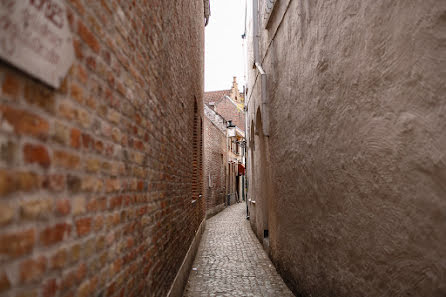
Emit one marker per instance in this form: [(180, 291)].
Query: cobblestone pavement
[(231, 262)]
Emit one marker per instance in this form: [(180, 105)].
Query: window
[(197, 146)]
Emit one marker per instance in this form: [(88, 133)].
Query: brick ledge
[(179, 283)]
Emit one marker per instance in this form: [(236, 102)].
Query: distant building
[(224, 121), (215, 160), (228, 103)]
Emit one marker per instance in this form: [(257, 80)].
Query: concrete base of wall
[(213, 211), (179, 283)]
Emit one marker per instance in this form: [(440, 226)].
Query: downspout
[(245, 110), (255, 30), (257, 64), (207, 11)]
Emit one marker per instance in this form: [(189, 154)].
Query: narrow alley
[(135, 136), (231, 262)]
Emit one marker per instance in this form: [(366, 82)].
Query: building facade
[(346, 141), (101, 179), (215, 161), (224, 110)]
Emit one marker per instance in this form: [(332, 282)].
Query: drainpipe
[(258, 65), (255, 30), (207, 11)]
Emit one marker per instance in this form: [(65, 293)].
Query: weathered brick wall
[(96, 178), (229, 111), (215, 161)]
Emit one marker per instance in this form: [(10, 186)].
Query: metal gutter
[(207, 11), (264, 99)]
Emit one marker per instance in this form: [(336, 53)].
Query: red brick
[(91, 63), (36, 209), (91, 184), (59, 259), (71, 19), (32, 270), (115, 202), (77, 93), (75, 137), (81, 272), (60, 133), (75, 252), (92, 165), (74, 183), (17, 244), (68, 281), (36, 154), (54, 182), (78, 49), (84, 289), (83, 226), (82, 75), (87, 141), (91, 103), (25, 123), (99, 146), (54, 234), (50, 288), (78, 6), (7, 212), (88, 37), (5, 284), (98, 223), (11, 85), (63, 89), (66, 160), (97, 204), (39, 95), (78, 205), (67, 111), (63, 207), (8, 182), (26, 181), (28, 293)]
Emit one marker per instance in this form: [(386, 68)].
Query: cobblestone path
[(231, 262)]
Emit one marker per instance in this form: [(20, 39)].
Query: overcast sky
[(223, 49)]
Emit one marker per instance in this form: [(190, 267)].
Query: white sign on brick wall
[(35, 37)]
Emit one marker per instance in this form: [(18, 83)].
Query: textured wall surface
[(357, 146), (215, 159), (229, 111), (96, 179)]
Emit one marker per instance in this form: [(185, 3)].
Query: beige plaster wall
[(356, 148)]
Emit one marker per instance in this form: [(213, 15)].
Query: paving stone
[(231, 262)]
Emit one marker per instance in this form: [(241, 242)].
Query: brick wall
[(96, 178), (215, 161), (229, 111)]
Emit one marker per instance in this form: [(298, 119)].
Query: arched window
[(197, 146)]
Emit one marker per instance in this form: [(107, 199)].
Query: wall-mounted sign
[(35, 37)]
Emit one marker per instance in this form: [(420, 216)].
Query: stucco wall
[(357, 146)]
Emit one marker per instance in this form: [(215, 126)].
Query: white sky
[(223, 45)]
